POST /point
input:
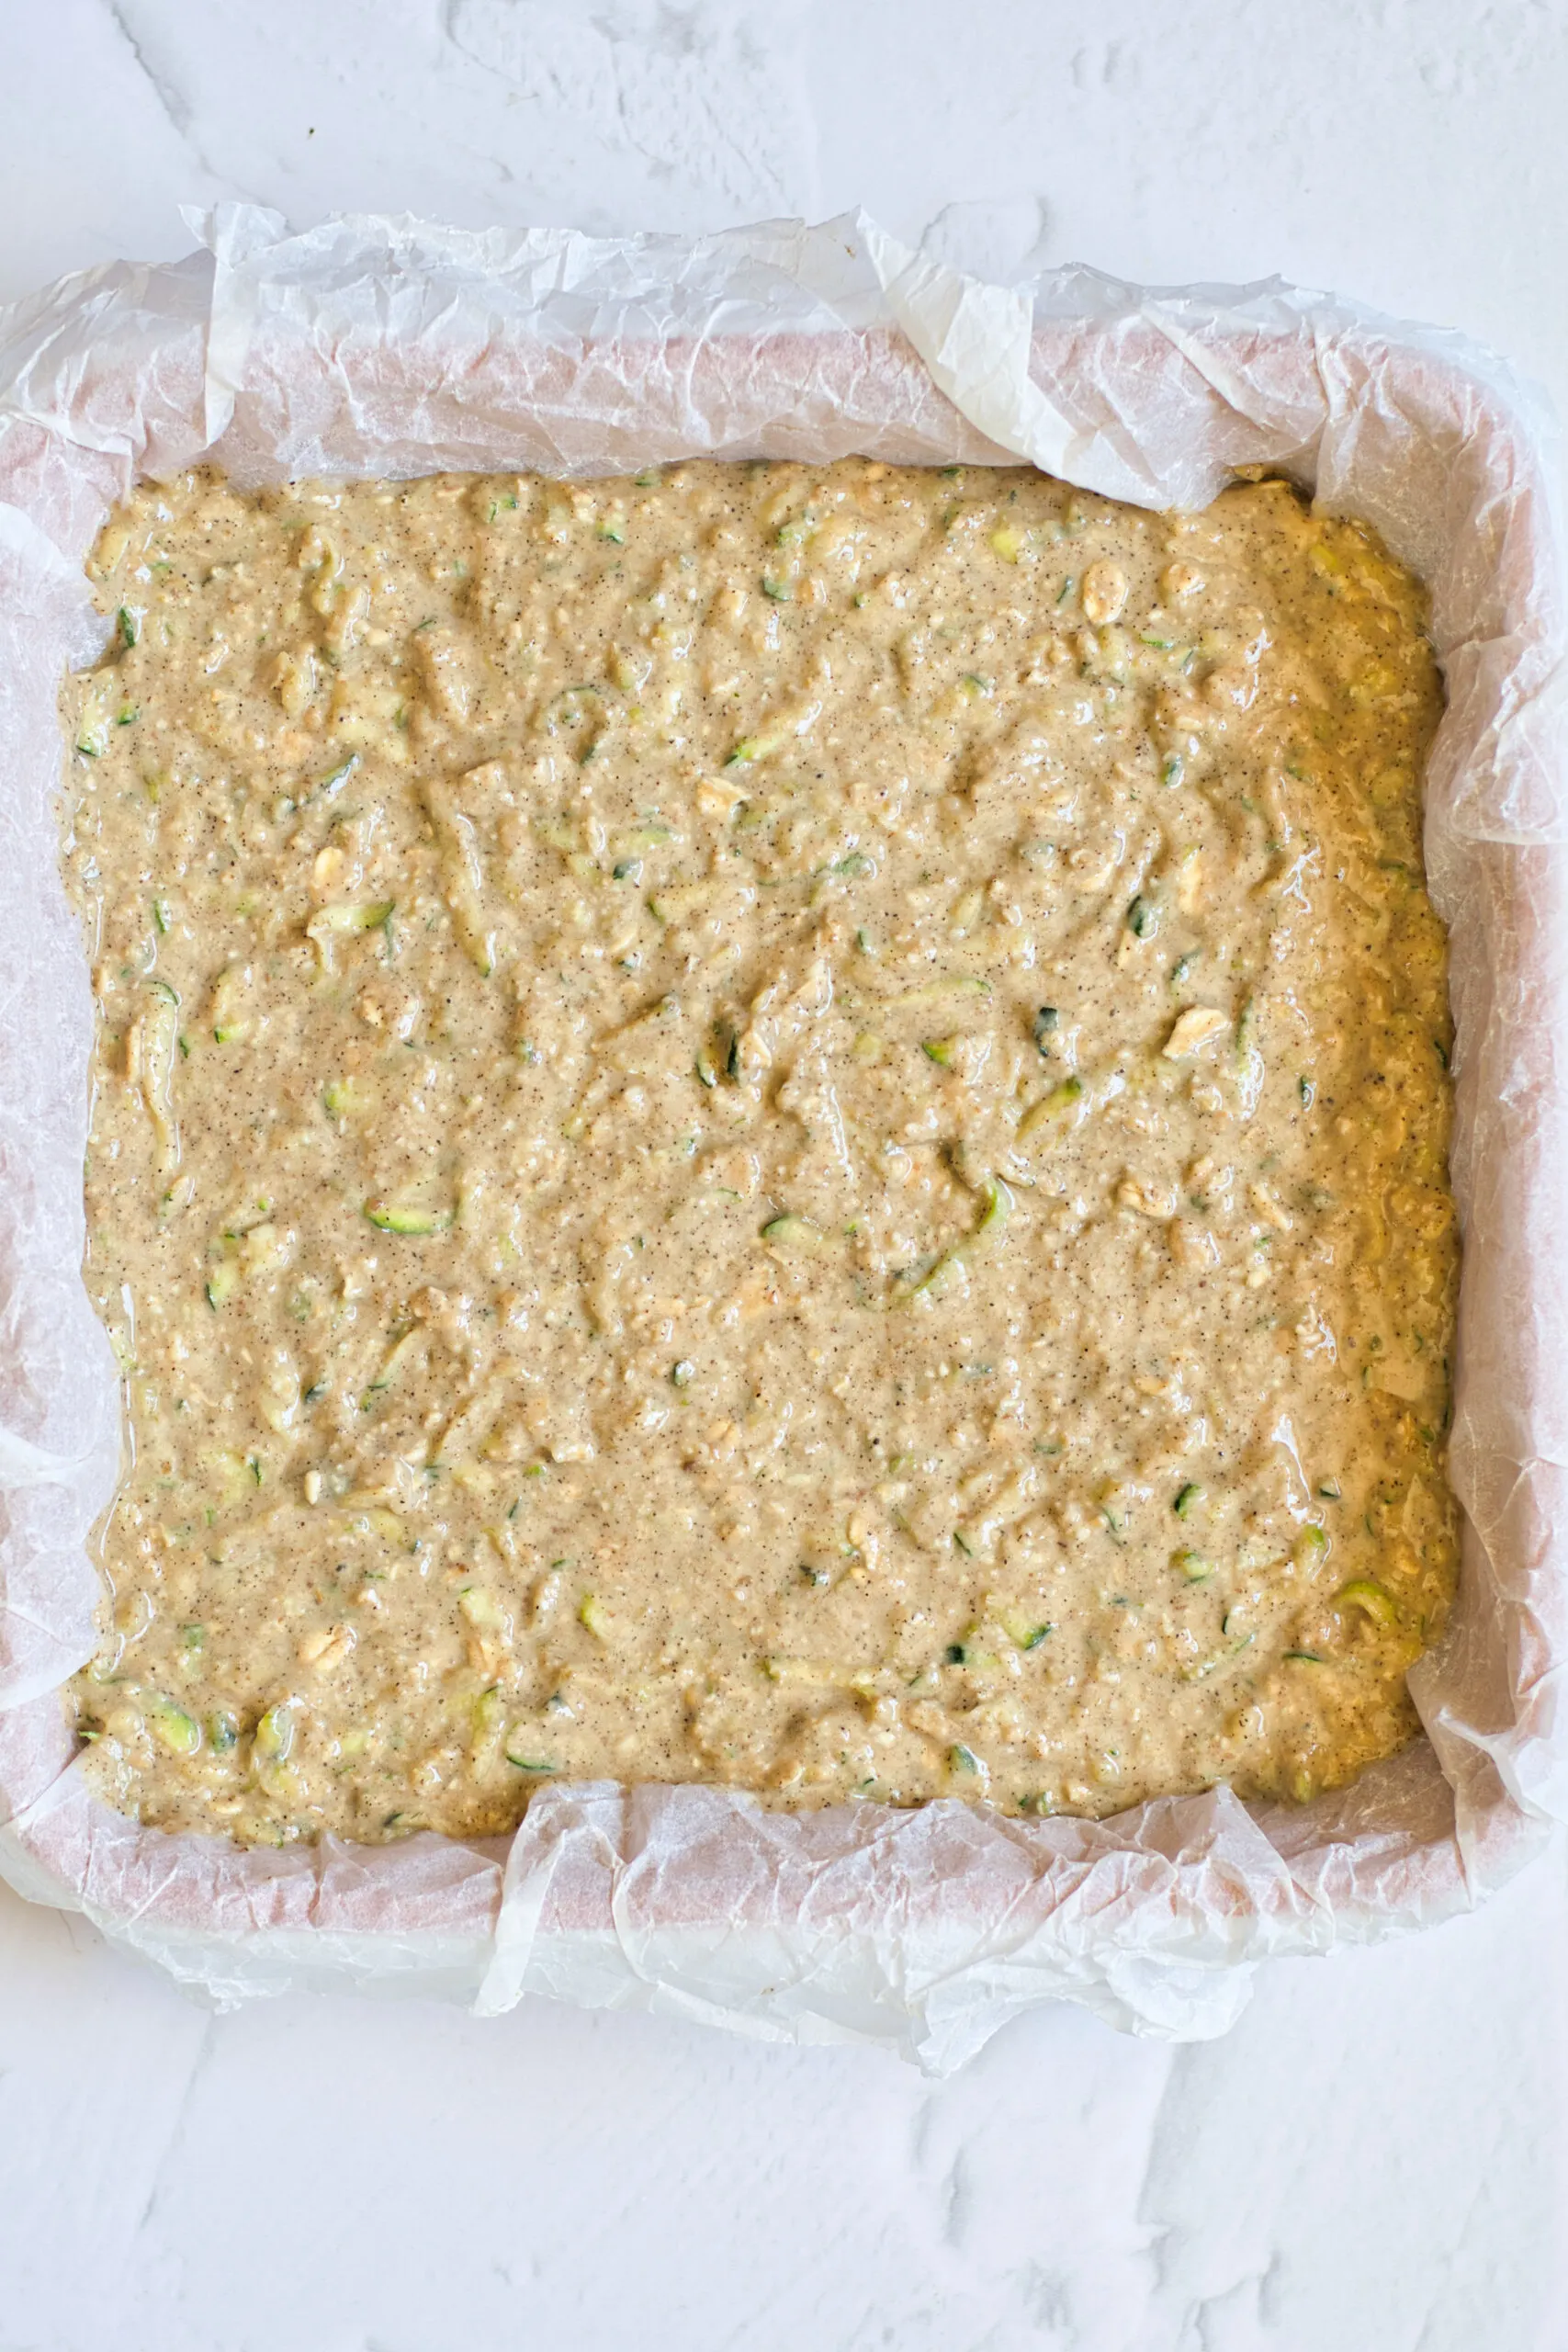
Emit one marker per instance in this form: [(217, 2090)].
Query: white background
[(1374, 2160)]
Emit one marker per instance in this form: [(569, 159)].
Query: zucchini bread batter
[(770, 1125)]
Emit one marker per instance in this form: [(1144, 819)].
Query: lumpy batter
[(770, 1125)]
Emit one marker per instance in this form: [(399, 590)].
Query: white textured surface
[(1374, 2157)]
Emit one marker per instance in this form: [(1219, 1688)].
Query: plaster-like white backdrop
[(1374, 2160)]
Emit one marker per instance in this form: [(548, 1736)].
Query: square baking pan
[(377, 347)]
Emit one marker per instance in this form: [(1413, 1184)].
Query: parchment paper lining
[(376, 346)]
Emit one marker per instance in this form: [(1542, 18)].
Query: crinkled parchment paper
[(374, 347)]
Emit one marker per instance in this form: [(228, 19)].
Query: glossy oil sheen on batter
[(763, 1124)]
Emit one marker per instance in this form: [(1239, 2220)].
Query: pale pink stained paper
[(372, 346)]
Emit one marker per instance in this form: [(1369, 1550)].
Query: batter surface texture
[(763, 1124)]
